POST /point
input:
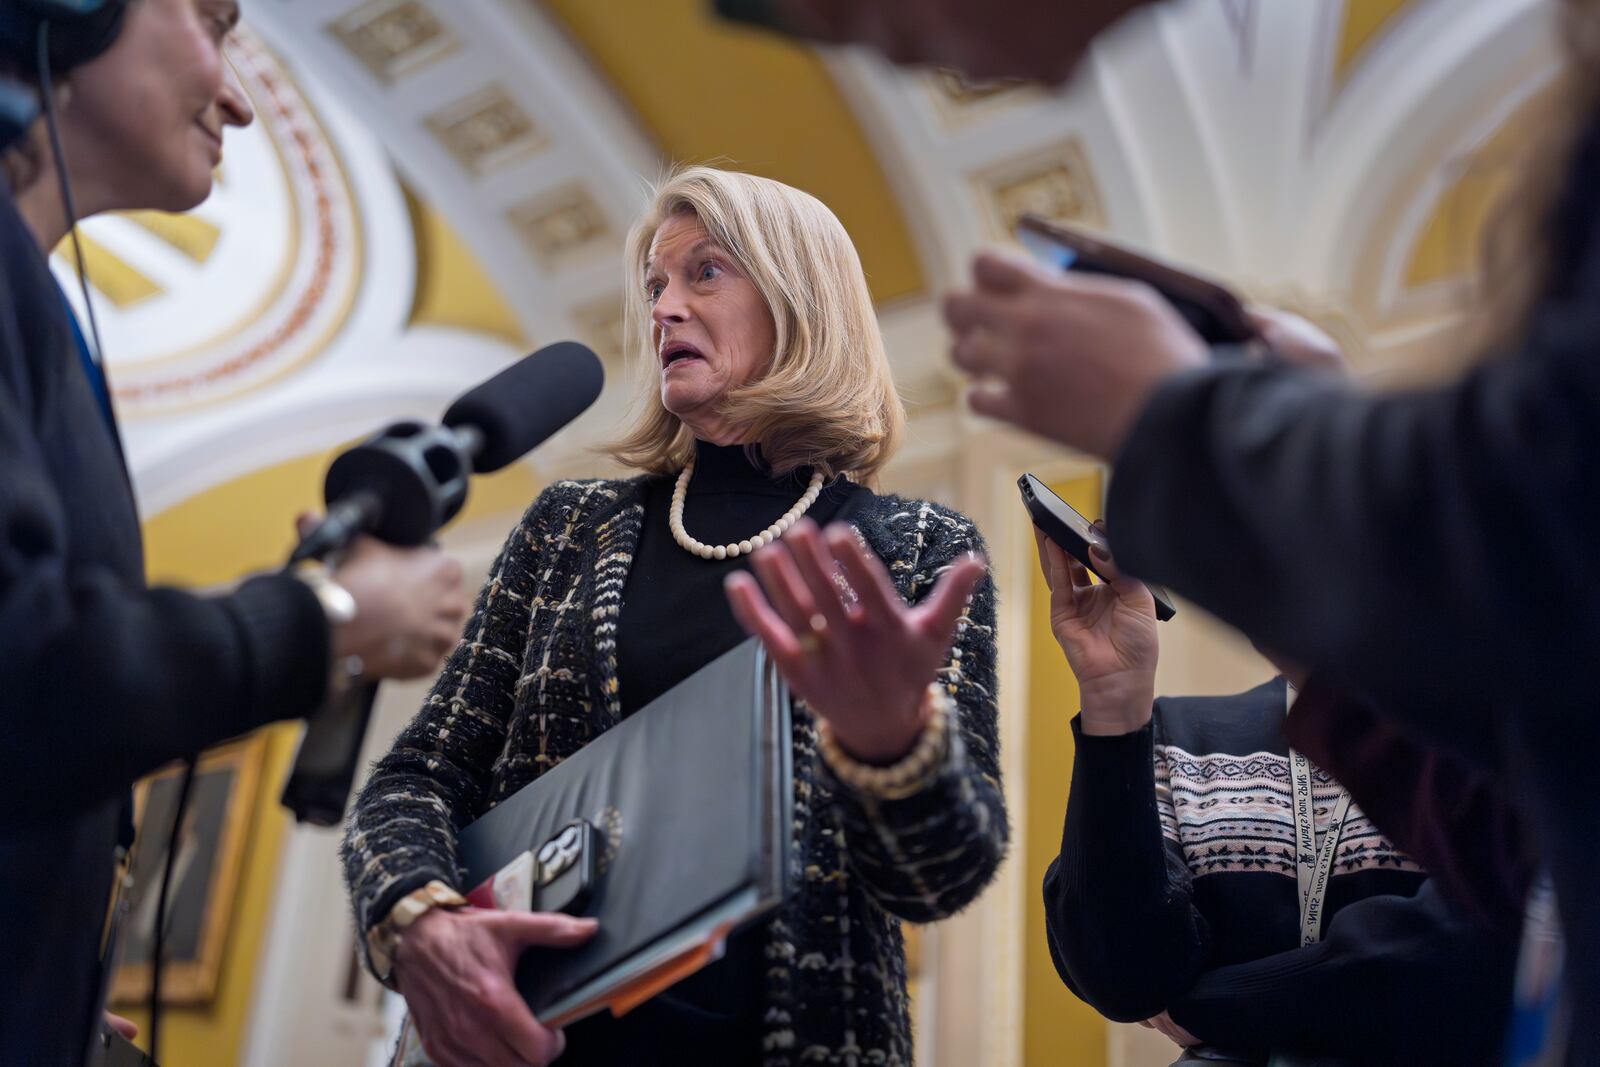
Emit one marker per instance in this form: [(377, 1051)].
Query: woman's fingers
[(802, 548), (522, 1040), (878, 599), (785, 586), (944, 607), (753, 612), (1125, 586)]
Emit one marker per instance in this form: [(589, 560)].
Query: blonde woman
[(766, 397)]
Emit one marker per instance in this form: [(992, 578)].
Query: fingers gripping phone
[(1073, 534), (1216, 314)]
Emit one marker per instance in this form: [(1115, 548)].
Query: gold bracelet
[(384, 938), (912, 772)]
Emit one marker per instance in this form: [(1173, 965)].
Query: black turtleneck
[(675, 616), (676, 619)]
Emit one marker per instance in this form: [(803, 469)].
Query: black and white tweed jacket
[(535, 679)]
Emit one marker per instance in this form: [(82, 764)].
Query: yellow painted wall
[(705, 92), (1059, 1029)]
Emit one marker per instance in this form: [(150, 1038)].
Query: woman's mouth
[(679, 353)]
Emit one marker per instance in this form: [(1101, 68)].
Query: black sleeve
[(1365, 535), (103, 680), (1396, 980), (1123, 933), (1449, 528)]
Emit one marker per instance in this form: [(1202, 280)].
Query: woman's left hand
[(856, 653)]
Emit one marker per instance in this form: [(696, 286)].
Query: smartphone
[(1216, 314), (1073, 534)]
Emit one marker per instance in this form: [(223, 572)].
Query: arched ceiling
[(703, 92), (490, 155)]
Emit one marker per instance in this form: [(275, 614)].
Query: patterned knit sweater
[(534, 679)]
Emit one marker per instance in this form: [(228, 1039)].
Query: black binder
[(691, 797)]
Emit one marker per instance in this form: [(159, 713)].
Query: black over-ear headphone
[(80, 30)]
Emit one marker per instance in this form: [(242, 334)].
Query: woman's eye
[(653, 291), (709, 271)]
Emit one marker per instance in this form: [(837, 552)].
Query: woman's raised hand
[(1108, 632), (845, 641), (456, 970)]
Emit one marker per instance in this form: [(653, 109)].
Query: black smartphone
[(1216, 314), (1073, 534)]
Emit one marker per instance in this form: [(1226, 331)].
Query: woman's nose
[(235, 105), (670, 306)]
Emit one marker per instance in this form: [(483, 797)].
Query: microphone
[(409, 479), (401, 485)]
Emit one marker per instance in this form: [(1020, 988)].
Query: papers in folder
[(692, 795)]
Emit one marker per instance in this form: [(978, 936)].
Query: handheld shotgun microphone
[(401, 485)]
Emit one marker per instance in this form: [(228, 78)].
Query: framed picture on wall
[(205, 875)]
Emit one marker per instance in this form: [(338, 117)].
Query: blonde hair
[(827, 398)]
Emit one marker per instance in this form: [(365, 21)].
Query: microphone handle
[(347, 518), (318, 787)]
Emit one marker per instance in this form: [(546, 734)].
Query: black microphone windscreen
[(527, 402)]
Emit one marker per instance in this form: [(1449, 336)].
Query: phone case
[(1216, 314), (1073, 534)]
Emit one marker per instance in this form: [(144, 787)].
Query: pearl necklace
[(741, 548)]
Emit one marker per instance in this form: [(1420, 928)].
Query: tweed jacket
[(534, 679)]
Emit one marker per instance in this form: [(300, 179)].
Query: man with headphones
[(103, 679)]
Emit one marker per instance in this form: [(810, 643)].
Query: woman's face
[(711, 328), (144, 122)]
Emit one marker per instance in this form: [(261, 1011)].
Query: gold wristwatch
[(384, 938)]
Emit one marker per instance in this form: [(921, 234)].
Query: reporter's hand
[(1072, 357), (1297, 341), (1108, 632), (409, 607), (456, 970), (127, 1028)]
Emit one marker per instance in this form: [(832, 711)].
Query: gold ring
[(810, 644)]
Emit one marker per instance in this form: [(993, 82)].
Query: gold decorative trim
[(602, 325), (394, 38), (559, 225), (1057, 183), (194, 981), (960, 100), (486, 130)]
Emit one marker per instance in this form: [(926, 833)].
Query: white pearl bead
[(705, 551), (720, 552), (745, 547)]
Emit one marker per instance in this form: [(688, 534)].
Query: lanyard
[(1313, 866)]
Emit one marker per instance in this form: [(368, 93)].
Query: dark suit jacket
[(101, 678), (1434, 551)]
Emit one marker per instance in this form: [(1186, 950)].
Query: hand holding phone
[(1073, 534), (1216, 314)]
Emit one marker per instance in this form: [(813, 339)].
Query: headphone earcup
[(80, 30)]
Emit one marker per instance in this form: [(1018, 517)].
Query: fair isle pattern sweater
[(534, 679)]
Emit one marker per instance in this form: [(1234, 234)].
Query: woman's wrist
[(906, 775), (884, 740), (1114, 707)]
